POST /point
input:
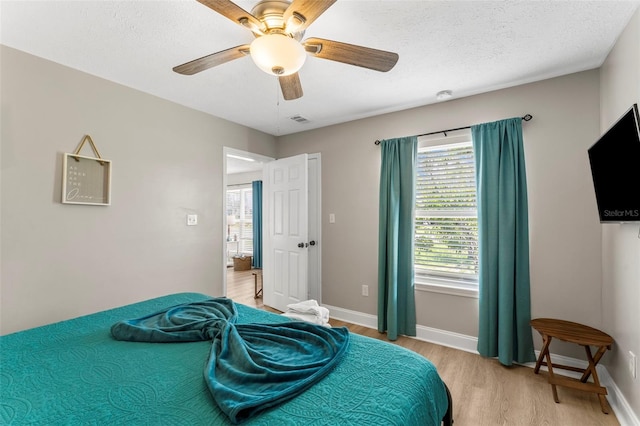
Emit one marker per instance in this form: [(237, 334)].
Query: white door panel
[(285, 257)]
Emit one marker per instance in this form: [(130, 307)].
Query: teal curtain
[(503, 240), (256, 193), (396, 299)]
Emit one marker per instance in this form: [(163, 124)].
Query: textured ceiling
[(468, 47)]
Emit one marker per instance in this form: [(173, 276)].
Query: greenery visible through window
[(446, 224)]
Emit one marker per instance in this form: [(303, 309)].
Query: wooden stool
[(579, 334), (257, 293)]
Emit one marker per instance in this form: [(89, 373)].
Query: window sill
[(445, 286)]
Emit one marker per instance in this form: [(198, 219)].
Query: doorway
[(239, 169)]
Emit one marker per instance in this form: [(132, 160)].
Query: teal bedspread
[(75, 373)]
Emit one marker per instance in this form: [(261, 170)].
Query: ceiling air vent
[(299, 119)]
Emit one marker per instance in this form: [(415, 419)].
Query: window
[(446, 222), (240, 219)]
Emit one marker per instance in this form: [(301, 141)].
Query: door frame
[(262, 159), (315, 226), (318, 222)]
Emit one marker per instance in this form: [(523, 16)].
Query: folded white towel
[(308, 310), (306, 317), (307, 306)]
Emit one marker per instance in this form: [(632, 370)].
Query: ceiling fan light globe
[(278, 54)]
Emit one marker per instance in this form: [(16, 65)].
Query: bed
[(75, 372)]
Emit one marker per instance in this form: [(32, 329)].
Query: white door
[(285, 222)]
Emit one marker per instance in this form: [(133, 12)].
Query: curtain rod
[(527, 117)]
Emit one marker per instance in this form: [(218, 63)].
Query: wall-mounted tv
[(615, 167)]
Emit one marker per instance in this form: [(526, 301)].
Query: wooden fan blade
[(301, 13), (212, 60), (366, 57), (291, 87), (235, 13)]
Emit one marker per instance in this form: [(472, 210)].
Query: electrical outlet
[(192, 219), (365, 290), (633, 366)]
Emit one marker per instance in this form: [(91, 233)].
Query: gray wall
[(564, 228), (60, 261), (620, 88)]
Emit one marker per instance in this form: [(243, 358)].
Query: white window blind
[(446, 225), (240, 207)]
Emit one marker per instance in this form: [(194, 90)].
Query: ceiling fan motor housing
[(271, 13)]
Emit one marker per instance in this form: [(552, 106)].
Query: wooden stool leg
[(551, 376), (591, 369), (256, 292), (255, 285), (546, 340), (596, 360), (545, 349)]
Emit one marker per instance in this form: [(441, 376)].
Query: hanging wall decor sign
[(86, 180)]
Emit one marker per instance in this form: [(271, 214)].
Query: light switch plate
[(192, 219)]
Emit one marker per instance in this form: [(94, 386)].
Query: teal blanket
[(251, 367)]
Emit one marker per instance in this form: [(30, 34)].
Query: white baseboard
[(428, 334), (616, 399), (354, 317), (447, 338)]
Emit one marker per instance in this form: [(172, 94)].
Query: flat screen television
[(615, 168)]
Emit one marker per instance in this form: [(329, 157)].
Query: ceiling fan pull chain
[(277, 107)]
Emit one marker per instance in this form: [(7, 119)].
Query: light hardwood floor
[(484, 392)]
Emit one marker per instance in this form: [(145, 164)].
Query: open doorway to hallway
[(241, 168)]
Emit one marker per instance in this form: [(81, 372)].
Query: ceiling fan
[(278, 26)]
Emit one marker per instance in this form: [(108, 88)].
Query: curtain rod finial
[(377, 142), (527, 117)]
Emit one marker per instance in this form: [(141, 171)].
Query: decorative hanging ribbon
[(93, 146)]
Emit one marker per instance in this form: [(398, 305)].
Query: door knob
[(312, 243), (301, 245)]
